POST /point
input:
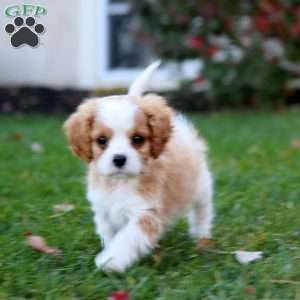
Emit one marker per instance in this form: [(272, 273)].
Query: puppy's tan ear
[(78, 130), (159, 121)]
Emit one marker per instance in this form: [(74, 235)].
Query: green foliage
[(243, 44), (256, 172), (250, 79)]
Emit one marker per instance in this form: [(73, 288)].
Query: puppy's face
[(119, 134)]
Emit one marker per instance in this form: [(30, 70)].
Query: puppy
[(146, 167)]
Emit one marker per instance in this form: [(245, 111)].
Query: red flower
[(262, 23), (195, 42), (119, 295), (212, 50), (228, 24), (296, 29), (297, 11), (199, 79), (270, 7)]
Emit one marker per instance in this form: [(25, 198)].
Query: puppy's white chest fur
[(117, 203)]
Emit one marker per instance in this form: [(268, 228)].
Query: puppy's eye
[(102, 141), (137, 140)]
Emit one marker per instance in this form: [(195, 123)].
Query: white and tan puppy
[(146, 167)]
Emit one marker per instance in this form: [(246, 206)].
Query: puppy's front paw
[(102, 259), (108, 262)]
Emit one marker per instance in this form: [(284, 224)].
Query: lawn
[(257, 199)]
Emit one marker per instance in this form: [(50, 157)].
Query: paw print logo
[(24, 33)]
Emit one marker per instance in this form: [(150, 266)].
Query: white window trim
[(120, 76), (118, 8), (93, 45)]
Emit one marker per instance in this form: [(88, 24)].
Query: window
[(122, 56), (125, 50)]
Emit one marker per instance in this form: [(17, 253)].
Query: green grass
[(257, 174)]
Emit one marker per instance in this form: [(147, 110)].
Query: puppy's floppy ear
[(78, 130), (159, 121)]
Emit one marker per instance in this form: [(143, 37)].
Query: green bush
[(249, 48)]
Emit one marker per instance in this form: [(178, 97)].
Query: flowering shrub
[(249, 47)]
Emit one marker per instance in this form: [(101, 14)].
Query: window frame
[(107, 75)]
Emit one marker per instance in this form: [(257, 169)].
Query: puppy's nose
[(119, 160)]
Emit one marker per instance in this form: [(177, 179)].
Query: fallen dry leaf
[(38, 243), (36, 147), (244, 257), (296, 144), (16, 136), (205, 244), (250, 290), (119, 295), (156, 257), (63, 207)]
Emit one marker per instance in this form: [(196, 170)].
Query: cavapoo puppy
[(146, 167)]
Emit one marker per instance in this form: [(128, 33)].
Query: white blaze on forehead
[(117, 112)]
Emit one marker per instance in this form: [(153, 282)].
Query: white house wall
[(72, 51), (55, 62)]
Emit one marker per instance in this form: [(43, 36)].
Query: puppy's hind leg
[(200, 216)]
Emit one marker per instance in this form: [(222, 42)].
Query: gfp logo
[(24, 30)]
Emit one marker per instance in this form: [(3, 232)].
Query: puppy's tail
[(138, 87)]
